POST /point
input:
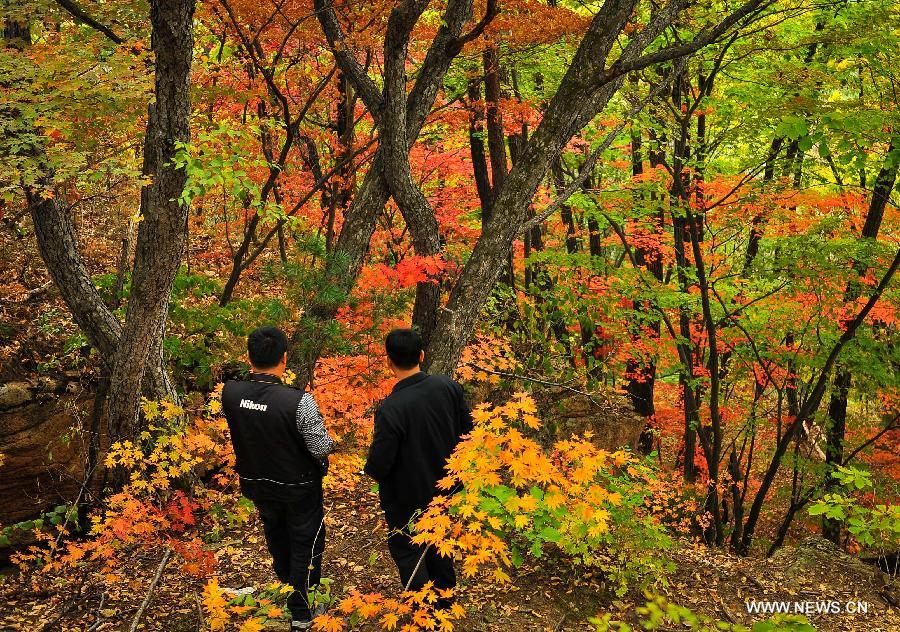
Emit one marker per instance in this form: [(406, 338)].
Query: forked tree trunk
[(163, 230), (58, 244)]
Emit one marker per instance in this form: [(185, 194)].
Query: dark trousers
[(295, 535), (434, 567)]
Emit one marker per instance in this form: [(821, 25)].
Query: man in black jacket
[(416, 429), (281, 448)]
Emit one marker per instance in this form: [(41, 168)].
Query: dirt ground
[(549, 597)]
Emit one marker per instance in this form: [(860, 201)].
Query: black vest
[(272, 459)]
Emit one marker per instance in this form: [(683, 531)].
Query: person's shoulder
[(230, 385), (445, 380), (392, 405), (287, 390)]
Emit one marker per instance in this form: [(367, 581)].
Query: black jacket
[(272, 457), (416, 428)]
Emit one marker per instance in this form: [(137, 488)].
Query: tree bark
[(496, 141), (565, 210), (567, 112), (163, 230), (476, 148)]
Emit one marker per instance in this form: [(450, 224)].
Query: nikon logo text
[(246, 403)]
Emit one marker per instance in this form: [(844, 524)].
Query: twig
[(562, 620), (416, 569), (159, 571), (727, 612), (201, 621), (96, 624), (533, 379), (32, 293)]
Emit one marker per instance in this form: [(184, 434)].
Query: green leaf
[(550, 534)]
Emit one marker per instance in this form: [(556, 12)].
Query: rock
[(816, 558), (606, 414), (14, 394), (49, 385), (813, 554), (43, 455)]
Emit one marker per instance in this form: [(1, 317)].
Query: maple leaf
[(252, 625), (328, 623)]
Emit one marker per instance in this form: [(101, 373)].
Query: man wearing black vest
[(416, 429), (281, 448)]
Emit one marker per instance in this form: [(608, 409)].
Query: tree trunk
[(344, 263), (575, 102), (756, 223), (565, 211), (476, 149), (496, 139), (346, 130), (60, 251), (837, 407), (643, 372), (163, 230)]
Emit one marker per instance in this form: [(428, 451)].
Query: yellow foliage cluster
[(564, 485), (164, 454), (147, 511), (220, 612), (484, 358), (413, 611), (343, 471)]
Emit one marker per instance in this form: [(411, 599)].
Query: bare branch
[(748, 10), (364, 85), (82, 16), (490, 13)]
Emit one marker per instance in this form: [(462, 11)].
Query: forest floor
[(541, 597)]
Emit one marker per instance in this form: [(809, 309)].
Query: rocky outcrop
[(43, 443), (606, 414), (817, 559), (15, 394)]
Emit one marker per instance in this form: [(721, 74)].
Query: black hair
[(266, 346), (404, 348)]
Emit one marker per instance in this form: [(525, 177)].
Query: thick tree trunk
[(163, 230), (60, 250), (61, 253), (496, 140)]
